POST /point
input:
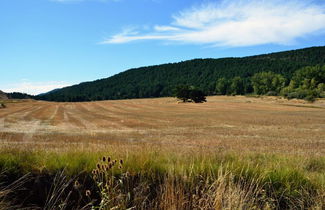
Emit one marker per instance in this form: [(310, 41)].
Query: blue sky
[(45, 44)]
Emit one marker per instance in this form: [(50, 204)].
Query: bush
[(2, 105)]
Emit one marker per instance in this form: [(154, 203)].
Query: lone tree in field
[(197, 96), (188, 93), (182, 92)]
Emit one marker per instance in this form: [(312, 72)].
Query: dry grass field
[(272, 149), (239, 124)]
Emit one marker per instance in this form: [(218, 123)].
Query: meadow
[(233, 152)]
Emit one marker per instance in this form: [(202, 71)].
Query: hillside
[(3, 95), (18, 95), (160, 80)]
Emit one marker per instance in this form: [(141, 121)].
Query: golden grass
[(233, 124)]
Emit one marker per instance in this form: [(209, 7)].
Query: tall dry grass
[(223, 193), (7, 191), (162, 179)]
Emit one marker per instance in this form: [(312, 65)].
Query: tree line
[(306, 83)]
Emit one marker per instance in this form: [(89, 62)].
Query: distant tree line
[(263, 74), (18, 95), (306, 83)]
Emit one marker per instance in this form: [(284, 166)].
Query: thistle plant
[(110, 181)]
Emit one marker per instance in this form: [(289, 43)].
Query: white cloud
[(34, 88), (166, 28), (237, 23)]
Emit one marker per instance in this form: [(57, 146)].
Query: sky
[(48, 44)]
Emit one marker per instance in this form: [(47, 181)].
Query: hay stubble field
[(227, 123)]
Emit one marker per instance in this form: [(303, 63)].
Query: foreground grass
[(256, 180)]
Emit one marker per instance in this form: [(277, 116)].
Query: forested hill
[(14, 95), (160, 80)]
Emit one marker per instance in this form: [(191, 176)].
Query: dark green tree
[(189, 93), (197, 96), (182, 92)]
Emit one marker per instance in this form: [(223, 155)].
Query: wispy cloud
[(236, 23), (34, 88)]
